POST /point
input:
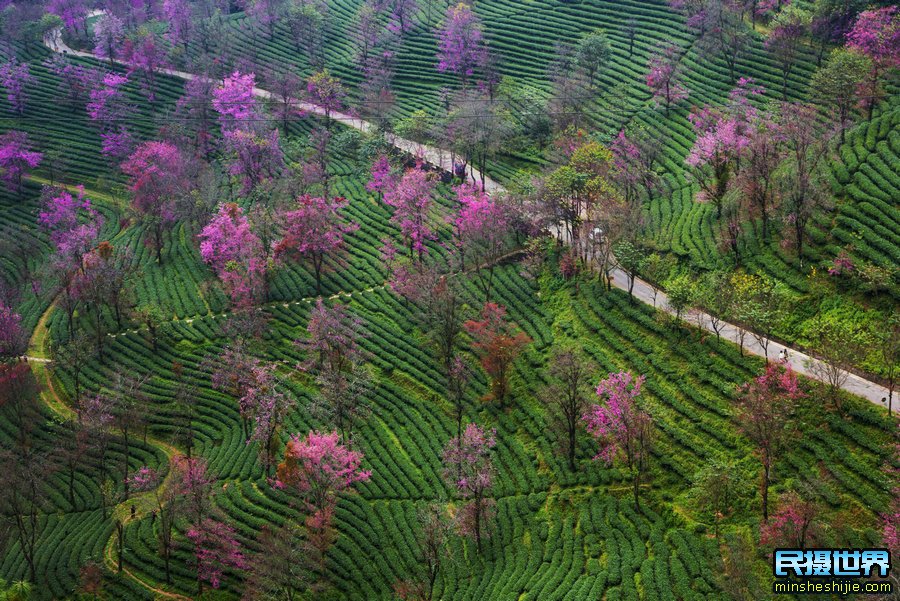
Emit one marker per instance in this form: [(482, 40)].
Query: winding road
[(643, 291)]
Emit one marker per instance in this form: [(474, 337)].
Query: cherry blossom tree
[(765, 408), (180, 19), (401, 13), (196, 110), (74, 227), (15, 77), (722, 135), (410, 196), (256, 156), (786, 33), (664, 78), (498, 342), (313, 231), (13, 339), (623, 427), (229, 245), (461, 46), (109, 33), (267, 406), (16, 159), (318, 469), (265, 12), (383, 176), (157, 174), (108, 107), (76, 80), (326, 91), (235, 102), (876, 34), (760, 159), (215, 549), (636, 158), (143, 52), (333, 354), (72, 12), (286, 86), (482, 229), (469, 469), (802, 182), (793, 525)]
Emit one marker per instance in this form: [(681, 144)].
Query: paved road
[(643, 291)]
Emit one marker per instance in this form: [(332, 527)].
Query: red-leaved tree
[(498, 343)]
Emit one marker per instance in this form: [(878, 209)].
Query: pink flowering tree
[(318, 469), (76, 80), (786, 34), (179, 17), (313, 231), (256, 153), (235, 102), (256, 156), (74, 227), (13, 339), (482, 227), (16, 159), (410, 197), (266, 405), (636, 158), (876, 34), (229, 245), (143, 52), (326, 91), (793, 525), (15, 77), (334, 356), (108, 107), (722, 136), (623, 428), (109, 33), (196, 111), (461, 46), (383, 176), (72, 12), (765, 409), (664, 78), (469, 469), (216, 549), (157, 173)]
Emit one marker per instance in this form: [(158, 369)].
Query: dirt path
[(144, 503)]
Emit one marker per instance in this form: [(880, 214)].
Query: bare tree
[(568, 395)]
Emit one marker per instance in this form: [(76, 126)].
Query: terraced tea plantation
[(248, 351)]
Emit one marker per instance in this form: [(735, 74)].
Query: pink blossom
[(614, 422), (16, 159), (461, 48), (314, 230), (230, 247), (876, 34), (15, 77), (318, 467), (234, 100), (411, 199), (215, 550)]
